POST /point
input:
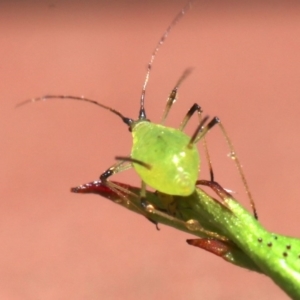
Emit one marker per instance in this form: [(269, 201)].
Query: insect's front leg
[(145, 208), (114, 169)]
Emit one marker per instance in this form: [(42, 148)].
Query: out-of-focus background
[(58, 245)]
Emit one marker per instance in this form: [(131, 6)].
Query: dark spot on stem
[(270, 244), (284, 254), (259, 240), (288, 247)]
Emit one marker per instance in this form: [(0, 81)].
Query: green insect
[(165, 158), (168, 160)]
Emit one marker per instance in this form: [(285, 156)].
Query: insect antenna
[(142, 113), (126, 120)]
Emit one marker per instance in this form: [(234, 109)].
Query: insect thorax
[(174, 164)]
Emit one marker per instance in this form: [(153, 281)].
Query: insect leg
[(166, 199), (197, 108), (123, 193), (200, 134), (116, 168), (142, 196), (219, 190), (132, 160), (173, 94)]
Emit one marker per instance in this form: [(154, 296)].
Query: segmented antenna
[(142, 114), (126, 120)]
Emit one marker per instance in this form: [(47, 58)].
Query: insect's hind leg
[(217, 188), (201, 132)]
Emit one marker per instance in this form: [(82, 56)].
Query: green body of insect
[(174, 163)]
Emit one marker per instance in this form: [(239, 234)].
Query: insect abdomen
[(174, 165)]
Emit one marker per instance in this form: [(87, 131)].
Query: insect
[(165, 158)]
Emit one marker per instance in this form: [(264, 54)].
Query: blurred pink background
[(58, 245)]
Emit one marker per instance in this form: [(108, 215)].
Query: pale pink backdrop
[(58, 245)]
